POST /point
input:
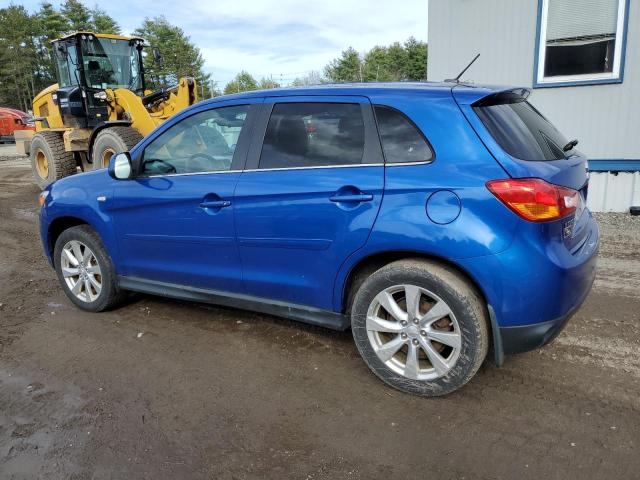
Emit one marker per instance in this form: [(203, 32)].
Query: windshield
[(111, 63)]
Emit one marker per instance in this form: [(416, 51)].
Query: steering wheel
[(212, 163), (168, 167)]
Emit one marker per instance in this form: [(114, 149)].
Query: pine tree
[(51, 25), (416, 66), (241, 83), (18, 57), (346, 68), (78, 16), (104, 23), (396, 62), (180, 57), (267, 83)]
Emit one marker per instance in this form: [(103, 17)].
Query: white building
[(580, 57)]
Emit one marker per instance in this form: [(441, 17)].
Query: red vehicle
[(12, 120)]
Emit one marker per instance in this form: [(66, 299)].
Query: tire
[(461, 322), (49, 160), (112, 140), (109, 294)]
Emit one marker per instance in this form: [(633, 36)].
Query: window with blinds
[(580, 40)]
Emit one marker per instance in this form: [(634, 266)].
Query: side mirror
[(120, 166)]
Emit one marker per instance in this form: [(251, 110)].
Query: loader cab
[(88, 64)]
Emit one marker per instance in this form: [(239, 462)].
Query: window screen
[(313, 135), (522, 131), (401, 140), (581, 37)]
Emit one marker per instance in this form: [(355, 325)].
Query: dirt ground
[(161, 389)]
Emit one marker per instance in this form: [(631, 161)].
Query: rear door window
[(522, 131), (313, 135), (401, 140)]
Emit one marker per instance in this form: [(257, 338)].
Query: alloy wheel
[(413, 332), (81, 271)]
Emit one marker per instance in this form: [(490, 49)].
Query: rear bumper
[(524, 338), (535, 287), (529, 337)]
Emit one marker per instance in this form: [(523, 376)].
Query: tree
[(78, 15), (51, 25), (267, 83), (241, 83), (395, 62), (18, 57), (346, 68), (416, 64), (376, 65), (104, 23), (180, 57), (311, 78)]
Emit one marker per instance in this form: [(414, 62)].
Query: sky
[(284, 39)]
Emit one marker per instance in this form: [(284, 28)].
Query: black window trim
[(239, 154), (413, 124), (372, 149)]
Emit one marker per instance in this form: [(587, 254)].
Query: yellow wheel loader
[(100, 105)]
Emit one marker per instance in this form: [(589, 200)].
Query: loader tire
[(49, 160), (112, 140)]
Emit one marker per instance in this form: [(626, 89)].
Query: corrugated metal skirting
[(613, 191)]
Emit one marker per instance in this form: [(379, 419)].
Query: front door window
[(204, 142)]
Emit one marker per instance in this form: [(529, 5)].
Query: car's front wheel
[(85, 270), (420, 327)]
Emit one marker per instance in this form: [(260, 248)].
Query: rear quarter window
[(522, 131), (402, 142)]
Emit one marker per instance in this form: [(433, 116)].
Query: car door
[(175, 221), (308, 197)]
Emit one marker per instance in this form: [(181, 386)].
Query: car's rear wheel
[(85, 269), (420, 327)]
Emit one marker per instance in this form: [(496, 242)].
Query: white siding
[(613, 192), (605, 118)]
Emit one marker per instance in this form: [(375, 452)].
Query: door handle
[(355, 198), (215, 204)]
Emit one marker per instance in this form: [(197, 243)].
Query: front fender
[(84, 197)]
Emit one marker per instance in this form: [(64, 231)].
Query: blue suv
[(438, 221)]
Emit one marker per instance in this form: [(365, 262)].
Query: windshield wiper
[(570, 145)]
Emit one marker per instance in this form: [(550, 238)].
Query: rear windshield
[(522, 131)]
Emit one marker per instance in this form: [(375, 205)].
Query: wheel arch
[(366, 265), (59, 225)]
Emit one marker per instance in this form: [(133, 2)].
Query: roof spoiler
[(484, 95), (514, 95)]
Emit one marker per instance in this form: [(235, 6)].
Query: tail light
[(534, 199)]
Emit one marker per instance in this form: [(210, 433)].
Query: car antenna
[(457, 79)]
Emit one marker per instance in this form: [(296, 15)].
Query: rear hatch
[(527, 145)]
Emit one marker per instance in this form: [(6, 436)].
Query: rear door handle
[(356, 198), (215, 204)]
